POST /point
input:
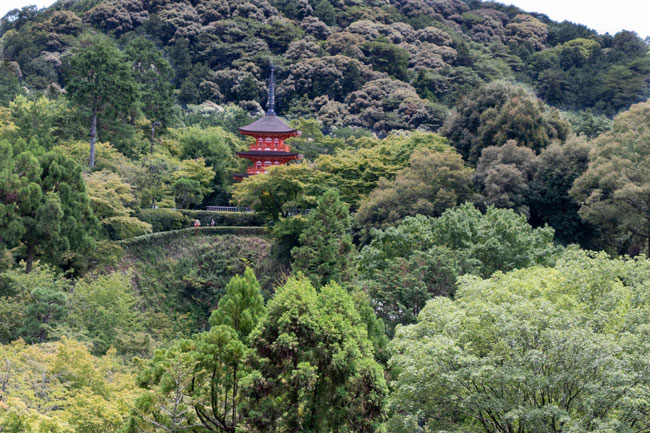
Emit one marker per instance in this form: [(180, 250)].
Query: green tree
[(281, 191), (187, 192), (498, 112), (326, 249), (558, 166), (45, 208), (104, 311), (217, 147), (405, 266), (35, 305), (314, 368), (433, 181), (100, 81), (504, 175), (614, 191), (204, 372), (534, 350), (387, 58), (153, 75)]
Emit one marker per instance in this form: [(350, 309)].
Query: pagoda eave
[(285, 134)]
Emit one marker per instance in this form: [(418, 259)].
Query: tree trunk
[(153, 129), (30, 258), (93, 137)]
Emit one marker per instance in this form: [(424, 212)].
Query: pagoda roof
[(270, 123), (266, 153)]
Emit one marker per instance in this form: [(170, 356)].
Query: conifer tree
[(100, 81), (326, 246)]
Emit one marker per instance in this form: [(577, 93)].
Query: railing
[(249, 210), (228, 209)]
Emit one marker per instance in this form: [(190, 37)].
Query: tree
[(405, 266), (100, 81), (387, 57), (105, 311), (614, 192), (204, 372), (34, 305), (504, 176), (59, 386), (558, 166), (216, 147), (534, 350), (45, 207), (326, 249), (313, 366), (433, 181), (153, 75), (281, 191), (187, 192), (498, 112)]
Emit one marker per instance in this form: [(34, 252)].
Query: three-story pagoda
[(270, 131)]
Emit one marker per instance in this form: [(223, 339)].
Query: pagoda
[(269, 132)]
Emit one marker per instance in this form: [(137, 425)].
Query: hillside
[(379, 65), (458, 241)]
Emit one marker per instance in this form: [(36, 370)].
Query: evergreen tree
[(100, 81), (326, 248), (204, 372), (45, 207), (153, 75), (314, 369)]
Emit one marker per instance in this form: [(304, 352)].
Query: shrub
[(163, 220)]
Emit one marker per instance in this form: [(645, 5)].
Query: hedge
[(164, 220), (192, 231), (241, 219)]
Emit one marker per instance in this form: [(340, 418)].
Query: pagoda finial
[(270, 103)]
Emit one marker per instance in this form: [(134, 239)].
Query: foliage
[(504, 176), (356, 171), (407, 265), (613, 191), (528, 351), (312, 353), (45, 208), (558, 166), (326, 248), (498, 112), (100, 81), (282, 190), (61, 386), (238, 219), (34, 305), (105, 310), (433, 181), (163, 220), (204, 372)]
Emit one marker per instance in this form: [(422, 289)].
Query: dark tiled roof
[(268, 123), (266, 153)]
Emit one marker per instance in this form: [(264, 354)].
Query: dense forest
[(462, 247)]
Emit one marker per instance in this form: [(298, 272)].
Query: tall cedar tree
[(153, 75), (314, 369), (326, 248), (100, 81), (44, 206)]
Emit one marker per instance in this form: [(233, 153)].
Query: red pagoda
[(269, 132)]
